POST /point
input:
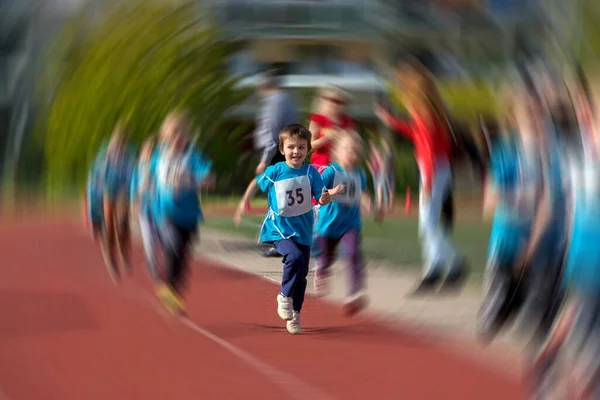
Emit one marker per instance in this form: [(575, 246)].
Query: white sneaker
[(284, 307), (293, 325)]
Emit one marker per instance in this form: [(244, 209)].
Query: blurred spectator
[(276, 111)]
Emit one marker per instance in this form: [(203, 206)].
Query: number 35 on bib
[(293, 196)]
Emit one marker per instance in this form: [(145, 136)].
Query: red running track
[(67, 333)]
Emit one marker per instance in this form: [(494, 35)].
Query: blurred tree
[(136, 62)]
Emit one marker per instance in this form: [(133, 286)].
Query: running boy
[(141, 202), (575, 340), (180, 171), (340, 221), (93, 198), (109, 186), (512, 188), (291, 185)]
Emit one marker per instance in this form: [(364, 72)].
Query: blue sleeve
[(363, 180), (130, 168), (92, 179), (152, 165), (266, 179), (133, 187), (201, 167), (502, 166), (93, 171), (97, 168), (316, 182), (328, 177)]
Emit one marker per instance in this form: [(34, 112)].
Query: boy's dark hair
[(294, 130)]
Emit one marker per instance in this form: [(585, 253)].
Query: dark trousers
[(177, 246), (296, 258), (351, 246), (447, 216)]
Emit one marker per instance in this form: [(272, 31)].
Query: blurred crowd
[(539, 165)]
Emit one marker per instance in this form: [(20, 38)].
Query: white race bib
[(353, 185), (294, 196)]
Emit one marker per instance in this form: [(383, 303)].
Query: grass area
[(395, 241)]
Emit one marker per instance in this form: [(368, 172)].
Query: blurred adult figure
[(277, 110)]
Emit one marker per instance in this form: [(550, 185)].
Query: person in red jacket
[(429, 130), (328, 123)]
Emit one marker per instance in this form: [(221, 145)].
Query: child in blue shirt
[(512, 191), (526, 249), (288, 225), (141, 201), (110, 181), (94, 195), (340, 221), (179, 172)]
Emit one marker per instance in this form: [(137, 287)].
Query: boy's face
[(172, 129), (295, 150)]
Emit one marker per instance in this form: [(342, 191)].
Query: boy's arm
[(319, 185), (133, 189), (541, 220), (490, 198), (365, 202), (203, 173), (248, 195), (262, 182)]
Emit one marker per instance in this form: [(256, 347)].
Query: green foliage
[(142, 60), (466, 100)]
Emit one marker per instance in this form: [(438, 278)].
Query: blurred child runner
[(113, 168), (513, 185), (575, 339), (179, 171), (291, 185), (430, 131), (546, 250), (326, 124), (141, 199), (382, 168), (93, 197), (339, 222)]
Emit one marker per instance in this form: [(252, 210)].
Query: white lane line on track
[(292, 386)]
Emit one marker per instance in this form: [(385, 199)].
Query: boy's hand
[(325, 198), (239, 212), (339, 189)]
